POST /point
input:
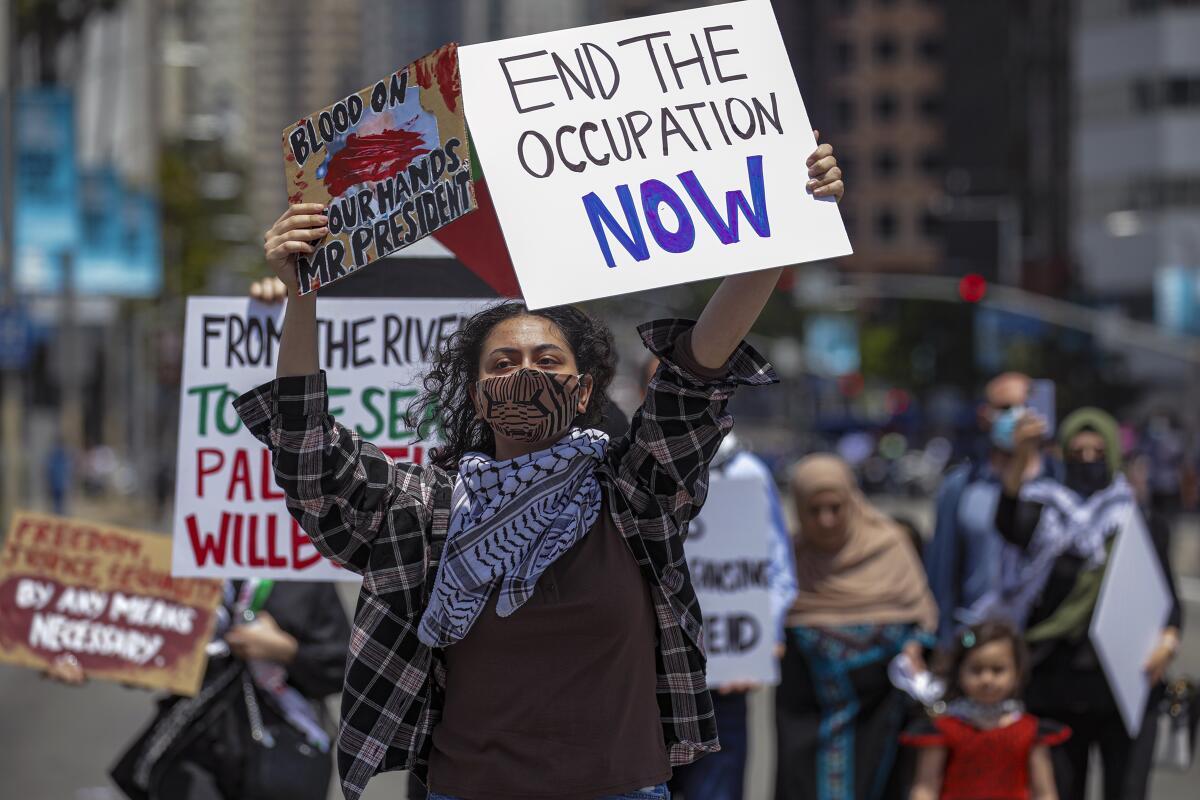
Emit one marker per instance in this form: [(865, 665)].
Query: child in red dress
[(981, 745)]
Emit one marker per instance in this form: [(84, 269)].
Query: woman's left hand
[(1164, 653), (824, 174), (262, 640), (915, 652)]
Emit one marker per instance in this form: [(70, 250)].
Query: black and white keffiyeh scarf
[(1069, 524), (509, 521)]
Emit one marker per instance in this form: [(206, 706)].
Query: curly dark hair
[(445, 404), (975, 636)]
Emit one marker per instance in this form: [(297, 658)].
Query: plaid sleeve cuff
[(671, 340), (300, 395), (291, 397)]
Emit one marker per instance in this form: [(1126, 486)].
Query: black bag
[(1178, 721), (280, 763)]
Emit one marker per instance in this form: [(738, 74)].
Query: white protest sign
[(230, 518), (1135, 601), (728, 554), (647, 152)]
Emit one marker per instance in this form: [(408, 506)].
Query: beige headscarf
[(874, 578)]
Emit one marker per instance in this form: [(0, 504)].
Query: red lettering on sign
[(274, 559), (201, 470), (299, 540), (204, 545), (241, 475), (414, 454)]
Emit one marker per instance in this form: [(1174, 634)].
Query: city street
[(67, 738)]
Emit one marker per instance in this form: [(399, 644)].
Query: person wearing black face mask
[(1068, 527)]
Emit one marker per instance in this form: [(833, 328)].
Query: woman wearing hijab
[(862, 599), (1065, 532)]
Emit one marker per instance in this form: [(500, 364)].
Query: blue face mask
[(1004, 426)]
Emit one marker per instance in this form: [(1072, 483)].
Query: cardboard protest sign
[(106, 596), (728, 553), (230, 517), (647, 152), (391, 164), (1134, 604)]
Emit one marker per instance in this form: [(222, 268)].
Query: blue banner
[(47, 187), (120, 255)]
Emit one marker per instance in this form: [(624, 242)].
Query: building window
[(843, 54), (886, 106), (931, 162), (1174, 91), (846, 161), (931, 225), (930, 106), (930, 48), (885, 225), (1182, 91), (886, 163), (886, 49), (843, 110)]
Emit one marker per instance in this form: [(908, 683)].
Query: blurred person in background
[(962, 556), (1163, 443), (862, 599), (722, 775), (59, 475), (1064, 531), (258, 727)]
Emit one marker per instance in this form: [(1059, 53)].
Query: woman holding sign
[(527, 626), (1064, 532)]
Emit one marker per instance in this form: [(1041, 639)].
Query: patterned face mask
[(529, 405)]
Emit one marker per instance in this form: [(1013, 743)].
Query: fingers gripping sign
[(295, 233)]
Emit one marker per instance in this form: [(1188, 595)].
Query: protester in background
[(518, 675), (722, 775), (983, 745), (962, 556), (59, 475), (258, 727), (862, 599), (1065, 531)]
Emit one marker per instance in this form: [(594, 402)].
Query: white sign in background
[(729, 553), (230, 518), (1133, 606), (647, 152)]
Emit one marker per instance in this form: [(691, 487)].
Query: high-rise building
[(872, 77), (249, 69), (1135, 160), (1006, 153), (951, 122)]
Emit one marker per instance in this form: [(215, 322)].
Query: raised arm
[(289, 238), (348, 495), (736, 304)]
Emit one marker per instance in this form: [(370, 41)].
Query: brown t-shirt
[(557, 700)]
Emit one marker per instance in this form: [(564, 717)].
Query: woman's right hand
[(292, 235), (1028, 435)]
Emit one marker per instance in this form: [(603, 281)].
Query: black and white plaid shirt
[(387, 521)]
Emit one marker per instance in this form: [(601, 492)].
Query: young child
[(981, 743)]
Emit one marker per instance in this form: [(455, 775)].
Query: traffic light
[(972, 288)]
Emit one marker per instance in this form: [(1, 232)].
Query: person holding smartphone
[(961, 559)]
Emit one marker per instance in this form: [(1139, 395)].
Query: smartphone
[(1042, 396)]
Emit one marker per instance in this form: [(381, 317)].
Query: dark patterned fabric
[(985, 762), (388, 521), (528, 405), (510, 521)]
